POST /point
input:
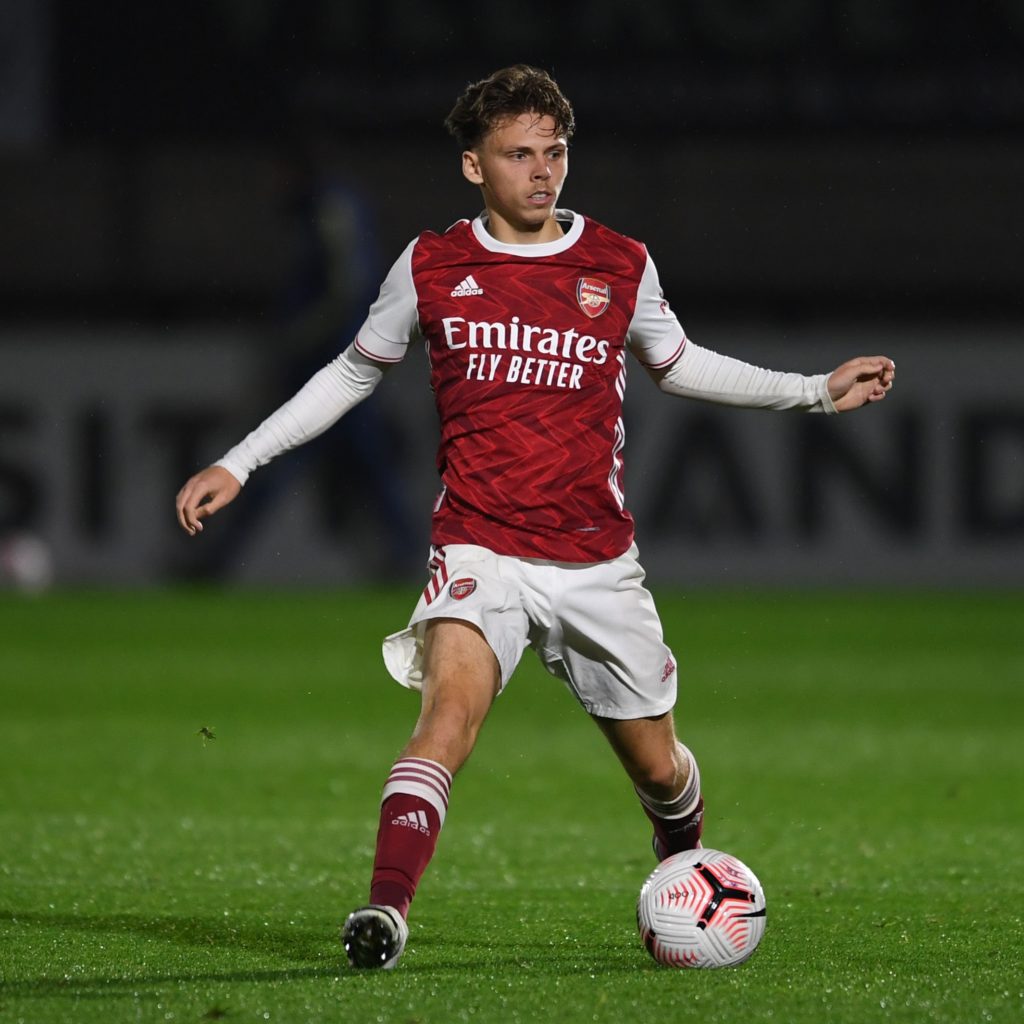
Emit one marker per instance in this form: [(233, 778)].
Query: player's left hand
[(862, 380)]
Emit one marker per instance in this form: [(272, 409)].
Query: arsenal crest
[(593, 296), (462, 588)]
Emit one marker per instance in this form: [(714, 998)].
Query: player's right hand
[(203, 494)]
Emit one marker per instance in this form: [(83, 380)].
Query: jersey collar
[(569, 239)]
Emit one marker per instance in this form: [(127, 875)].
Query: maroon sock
[(412, 812), (677, 834)]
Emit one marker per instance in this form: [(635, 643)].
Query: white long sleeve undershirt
[(703, 374), (347, 380), (342, 384)]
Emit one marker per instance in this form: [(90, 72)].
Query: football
[(701, 908)]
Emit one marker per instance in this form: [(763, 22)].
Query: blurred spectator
[(335, 274)]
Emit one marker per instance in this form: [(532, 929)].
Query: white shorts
[(593, 626)]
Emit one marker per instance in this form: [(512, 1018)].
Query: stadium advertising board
[(929, 488)]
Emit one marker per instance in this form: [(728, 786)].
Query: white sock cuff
[(683, 804), (417, 776)]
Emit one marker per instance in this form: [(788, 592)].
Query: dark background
[(198, 201), (778, 157)]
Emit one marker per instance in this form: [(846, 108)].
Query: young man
[(527, 313)]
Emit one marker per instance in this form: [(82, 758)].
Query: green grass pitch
[(862, 752)]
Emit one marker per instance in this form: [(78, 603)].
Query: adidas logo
[(467, 286), (414, 819)]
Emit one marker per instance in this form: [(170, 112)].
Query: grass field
[(862, 753)]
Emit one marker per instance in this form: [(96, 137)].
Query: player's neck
[(509, 233)]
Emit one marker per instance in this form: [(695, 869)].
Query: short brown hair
[(506, 94)]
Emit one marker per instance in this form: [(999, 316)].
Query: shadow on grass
[(147, 986), (294, 943), (316, 953), (438, 954)]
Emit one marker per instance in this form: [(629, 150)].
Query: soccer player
[(527, 312)]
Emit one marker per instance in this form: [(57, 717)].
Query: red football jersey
[(527, 351)]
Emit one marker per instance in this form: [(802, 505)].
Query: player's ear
[(471, 167)]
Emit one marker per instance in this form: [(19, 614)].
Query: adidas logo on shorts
[(466, 287), (414, 819)]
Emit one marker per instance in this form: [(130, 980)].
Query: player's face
[(520, 166)]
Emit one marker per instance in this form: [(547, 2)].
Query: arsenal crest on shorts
[(462, 588), (593, 295)]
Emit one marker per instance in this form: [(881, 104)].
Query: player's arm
[(706, 375), (680, 367), (322, 401), (382, 342)]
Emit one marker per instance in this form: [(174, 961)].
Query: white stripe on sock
[(419, 777)]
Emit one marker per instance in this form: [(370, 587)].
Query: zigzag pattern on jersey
[(528, 467)]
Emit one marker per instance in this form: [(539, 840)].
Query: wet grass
[(190, 783)]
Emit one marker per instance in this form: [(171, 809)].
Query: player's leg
[(461, 678), (460, 682), (665, 776), (610, 650)]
